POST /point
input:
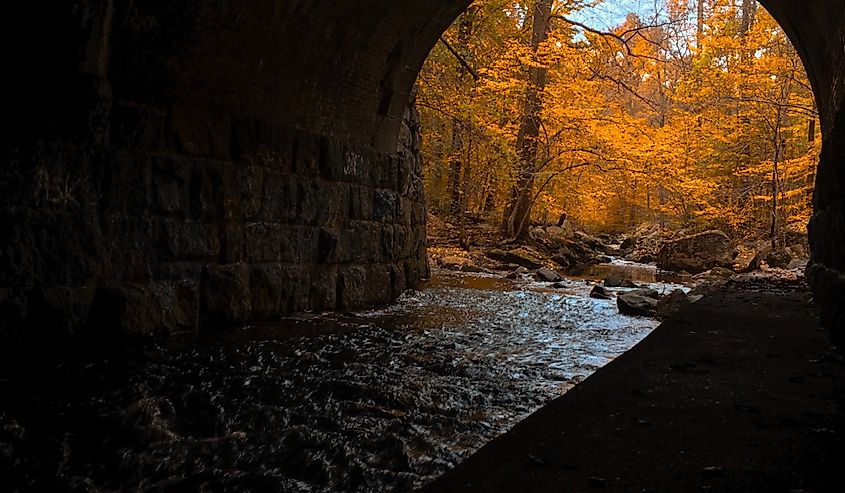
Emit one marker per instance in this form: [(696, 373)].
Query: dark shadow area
[(740, 392)]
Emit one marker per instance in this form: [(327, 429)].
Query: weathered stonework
[(180, 164), (209, 224), (170, 240)]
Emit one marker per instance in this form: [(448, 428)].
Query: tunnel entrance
[(665, 131)]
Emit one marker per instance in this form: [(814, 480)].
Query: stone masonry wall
[(187, 222)]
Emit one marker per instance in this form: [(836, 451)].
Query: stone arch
[(220, 162)]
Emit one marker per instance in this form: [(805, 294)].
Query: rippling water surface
[(375, 401)]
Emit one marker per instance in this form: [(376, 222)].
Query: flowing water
[(381, 400)]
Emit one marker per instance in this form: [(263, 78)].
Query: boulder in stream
[(601, 293), (669, 305), (696, 253), (779, 258), (522, 256), (646, 293), (548, 275), (614, 281), (636, 305)]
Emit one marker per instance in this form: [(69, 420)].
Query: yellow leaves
[(628, 132)]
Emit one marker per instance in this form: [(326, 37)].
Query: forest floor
[(739, 392)]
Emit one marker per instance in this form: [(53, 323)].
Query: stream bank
[(739, 392)]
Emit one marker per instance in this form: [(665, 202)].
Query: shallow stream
[(383, 400)]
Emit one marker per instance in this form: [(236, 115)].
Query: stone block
[(415, 269), (365, 242), (308, 202), (385, 205), (249, 193), (418, 214), (401, 241), (377, 172), (322, 203), (361, 203), (266, 290), (404, 210), (398, 283), (205, 192), (379, 288), (351, 287), (280, 197), (184, 239), (298, 244), (263, 242), (231, 243), (388, 243), (295, 282), (328, 246), (405, 172), (170, 195), (332, 161), (323, 292), (354, 165), (225, 297), (144, 309)]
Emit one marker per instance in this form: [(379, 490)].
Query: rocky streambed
[(383, 400)]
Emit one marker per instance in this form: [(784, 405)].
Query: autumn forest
[(695, 116)]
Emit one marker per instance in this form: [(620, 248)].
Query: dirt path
[(740, 392)]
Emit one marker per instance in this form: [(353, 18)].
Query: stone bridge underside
[(176, 164)]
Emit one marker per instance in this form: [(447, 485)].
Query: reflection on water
[(632, 271), (636, 273), (376, 401)]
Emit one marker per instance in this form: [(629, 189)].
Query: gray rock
[(548, 275), (522, 256), (453, 263), (614, 281), (721, 272), (779, 258), (645, 258), (669, 305), (797, 264), (601, 293), (696, 253), (636, 305), (646, 293)]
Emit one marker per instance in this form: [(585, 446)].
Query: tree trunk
[(518, 212), (775, 190), (749, 13), (455, 169), (700, 27), (456, 158)]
